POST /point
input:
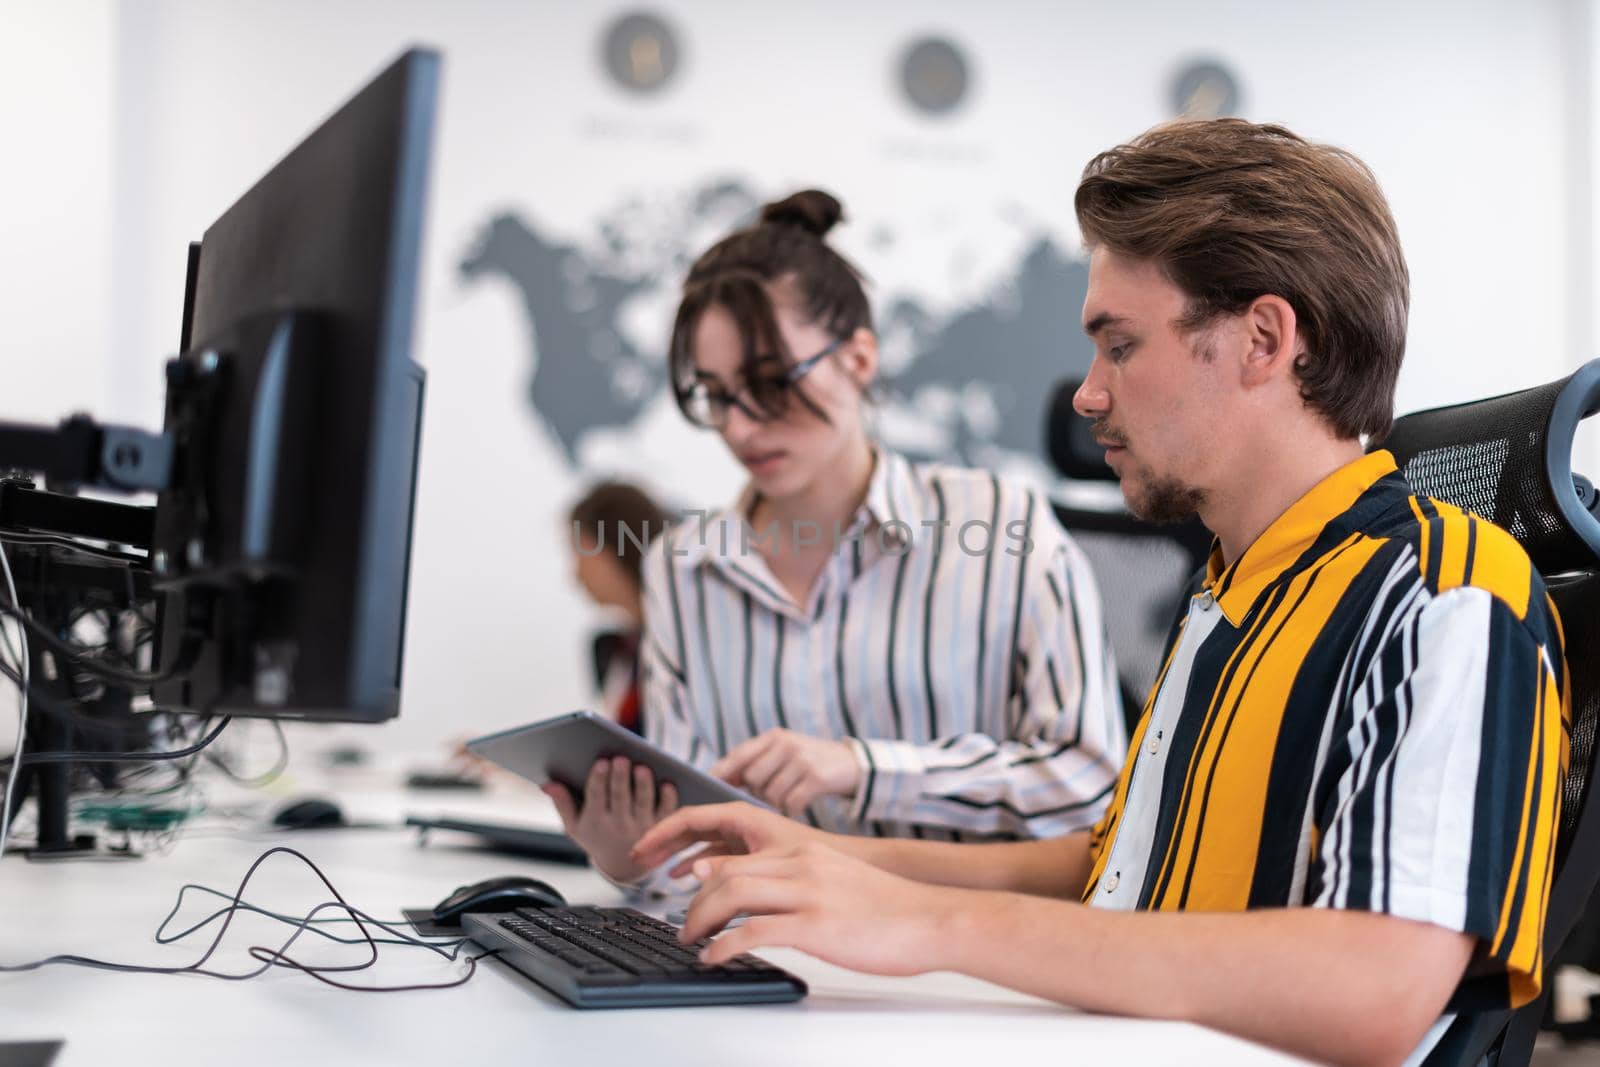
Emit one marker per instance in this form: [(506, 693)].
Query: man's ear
[(1272, 338), (859, 356)]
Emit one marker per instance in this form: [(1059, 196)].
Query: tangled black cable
[(266, 777), (125, 757), (44, 700), (356, 915), (111, 554), (278, 957), (84, 657)]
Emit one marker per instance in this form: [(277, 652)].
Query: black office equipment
[(1509, 459), (277, 555), (288, 547), (1144, 568), (514, 840), (443, 780), (28, 1053), (621, 958), (310, 813), (507, 893)]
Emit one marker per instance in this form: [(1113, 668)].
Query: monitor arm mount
[(252, 394), (80, 451)]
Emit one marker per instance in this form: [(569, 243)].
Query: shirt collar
[(894, 499), (1282, 543), (893, 503)]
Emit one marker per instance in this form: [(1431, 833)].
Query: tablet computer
[(563, 749)]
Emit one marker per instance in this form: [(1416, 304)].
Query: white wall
[(55, 206), (1584, 80), (1464, 110)]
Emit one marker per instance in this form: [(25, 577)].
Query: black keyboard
[(621, 958)]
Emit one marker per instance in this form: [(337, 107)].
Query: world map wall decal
[(973, 390)]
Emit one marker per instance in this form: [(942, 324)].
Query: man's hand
[(802, 889), (824, 903), (725, 829), (619, 805), (790, 770)]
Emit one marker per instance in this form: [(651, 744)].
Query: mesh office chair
[(1509, 460), (1145, 569)]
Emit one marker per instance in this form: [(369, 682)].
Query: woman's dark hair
[(786, 246), (622, 519)]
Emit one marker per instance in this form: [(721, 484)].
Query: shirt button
[(1112, 881), (1155, 746)]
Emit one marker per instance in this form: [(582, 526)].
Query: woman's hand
[(790, 770), (620, 803)]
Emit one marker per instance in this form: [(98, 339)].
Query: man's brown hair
[(1231, 211)]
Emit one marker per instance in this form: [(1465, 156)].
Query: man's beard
[(1166, 502)]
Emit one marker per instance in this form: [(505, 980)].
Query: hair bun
[(812, 210)]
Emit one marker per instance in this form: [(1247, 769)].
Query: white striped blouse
[(955, 635)]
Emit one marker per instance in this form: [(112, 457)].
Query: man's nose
[(1092, 400)]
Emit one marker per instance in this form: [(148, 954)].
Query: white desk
[(111, 909)]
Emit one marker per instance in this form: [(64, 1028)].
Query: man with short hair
[(1334, 831)]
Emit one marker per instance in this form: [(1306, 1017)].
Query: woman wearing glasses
[(874, 646)]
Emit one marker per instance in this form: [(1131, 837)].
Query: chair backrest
[(1143, 568), (1509, 460)]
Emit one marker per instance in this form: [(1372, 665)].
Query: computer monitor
[(281, 549), (278, 552)]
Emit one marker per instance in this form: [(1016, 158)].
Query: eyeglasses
[(706, 403)]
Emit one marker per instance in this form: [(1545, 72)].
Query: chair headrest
[(1509, 459), (1068, 441)]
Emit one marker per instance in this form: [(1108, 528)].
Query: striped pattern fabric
[(1368, 710), (955, 635)]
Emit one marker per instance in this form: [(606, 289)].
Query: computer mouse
[(496, 894), (309, 813)]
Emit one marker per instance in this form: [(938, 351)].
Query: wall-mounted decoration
[(934, 76), (1205, 89), (640, 52)]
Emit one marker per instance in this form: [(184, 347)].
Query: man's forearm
[(1054, 868), (1342, 987)]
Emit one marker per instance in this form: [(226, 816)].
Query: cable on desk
[(278, 957), (400, 938)]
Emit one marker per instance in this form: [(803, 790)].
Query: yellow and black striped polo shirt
[(1366, 710)]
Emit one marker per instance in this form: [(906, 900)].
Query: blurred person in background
[(612, 525)]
